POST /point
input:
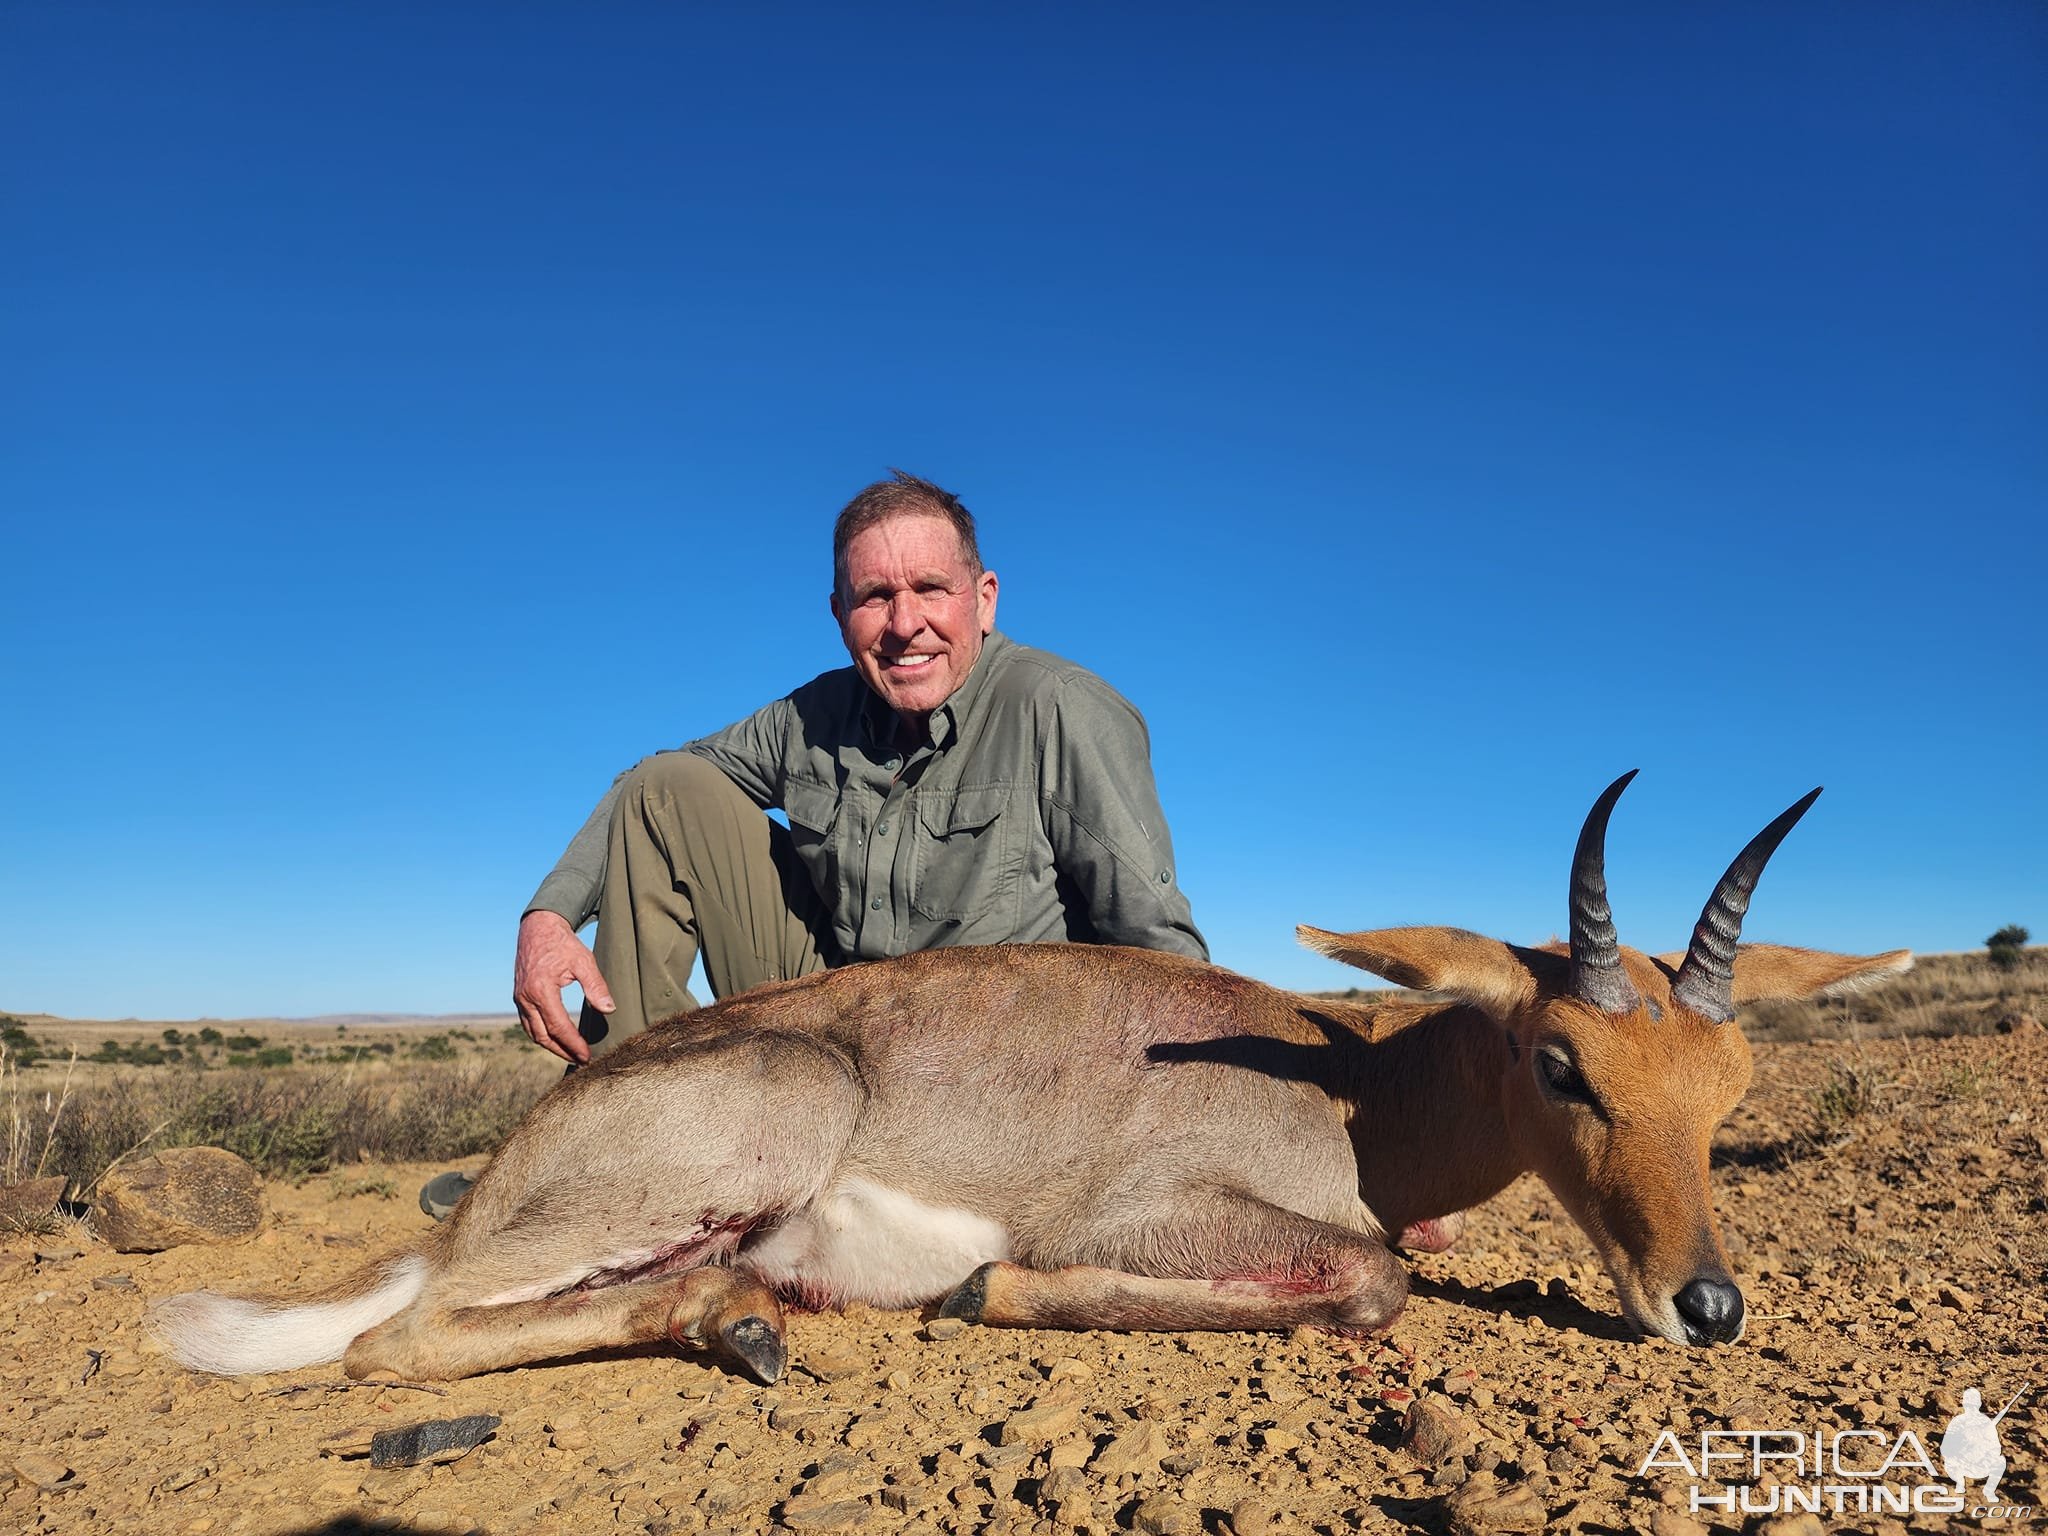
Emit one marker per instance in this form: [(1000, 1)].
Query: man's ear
[(838, 614), (1450, 962), (985, 600)]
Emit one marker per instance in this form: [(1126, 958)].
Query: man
[(949, 787)]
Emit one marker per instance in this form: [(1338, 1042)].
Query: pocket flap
[(813, 806), (964, 810)]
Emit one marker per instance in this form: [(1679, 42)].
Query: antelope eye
[(1561, 1076)]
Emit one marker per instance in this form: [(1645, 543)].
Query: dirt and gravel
[(1886, 1205)]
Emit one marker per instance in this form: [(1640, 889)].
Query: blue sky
[(412, 415)]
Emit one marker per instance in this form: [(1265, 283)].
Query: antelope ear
[(1780, 971), (1447, 961)]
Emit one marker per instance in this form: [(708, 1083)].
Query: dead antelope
[(1067, 1136)]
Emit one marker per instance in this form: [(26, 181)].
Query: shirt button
[(1166, 877), (875, 905), (881, 827)]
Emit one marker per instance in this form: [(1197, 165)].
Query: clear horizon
[(415, 417)]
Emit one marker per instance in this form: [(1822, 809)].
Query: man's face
[(911, 613)]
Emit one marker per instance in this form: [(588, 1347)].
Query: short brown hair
[(901, 495)]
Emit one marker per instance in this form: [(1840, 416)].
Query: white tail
[(230, 1335)]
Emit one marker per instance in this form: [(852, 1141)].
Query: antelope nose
[(1711, 1310)]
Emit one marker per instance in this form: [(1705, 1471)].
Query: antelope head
[(1616, 1066)]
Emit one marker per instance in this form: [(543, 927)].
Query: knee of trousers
[(681, 784)]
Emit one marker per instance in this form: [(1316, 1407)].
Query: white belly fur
[(861, 1241)]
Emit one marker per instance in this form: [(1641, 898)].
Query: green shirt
[(1028, 816)]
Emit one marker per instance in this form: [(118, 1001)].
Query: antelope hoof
[(754, 1342), (970, 1299)]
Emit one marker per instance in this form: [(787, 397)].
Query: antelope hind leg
[(729, 1310), (1266, 1268)]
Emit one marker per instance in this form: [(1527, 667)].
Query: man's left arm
[(1109, 838)]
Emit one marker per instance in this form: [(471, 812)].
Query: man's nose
[(906, 615)]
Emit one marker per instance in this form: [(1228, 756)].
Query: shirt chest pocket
[(961, 868), (813, 811)]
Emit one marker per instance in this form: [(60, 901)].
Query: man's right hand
[(550, 956)]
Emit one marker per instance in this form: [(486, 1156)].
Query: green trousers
[(695, 867)]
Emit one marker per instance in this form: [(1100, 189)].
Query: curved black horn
[(1705, 983), (1597, 976)]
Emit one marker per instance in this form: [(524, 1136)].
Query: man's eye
[(1562, 1077)]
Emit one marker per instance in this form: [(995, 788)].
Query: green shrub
[(20, 1045), (2008, 946)]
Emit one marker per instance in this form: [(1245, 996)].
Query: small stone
[(1434, 1431), (1255, 1517), (59, 1253), (114, 1283), (1483, 1505), (801, 1514), (35, 1471), (1459, 1383), (1137, 1449), (185, 1477), (841, 1477), (1161, 1516), (1070, 1453), (1793, 1525), (1040, 1423), (833, 1365), (1669, 1522), (1004, 1457), (436, 1440), (570, 1440), (1062, 1489), (1957, 1299), (1068, 1369), (1277, 1441), (787, 1420), (913, 1501), (940, 1329)]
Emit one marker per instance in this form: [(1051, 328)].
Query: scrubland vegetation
[(290, 1108)]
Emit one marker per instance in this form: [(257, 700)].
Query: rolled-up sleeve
[(1109, 837)]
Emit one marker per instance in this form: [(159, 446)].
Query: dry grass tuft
[(289, 1123)]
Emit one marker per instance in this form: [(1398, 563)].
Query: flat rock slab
[(434, 1440), (180, 1195)]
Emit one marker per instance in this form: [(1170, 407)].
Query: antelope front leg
[(728, 1310), (1270, 1269)]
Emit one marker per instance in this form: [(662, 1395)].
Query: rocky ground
[(1886, 1206)]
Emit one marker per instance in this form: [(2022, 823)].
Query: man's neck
[(911, 731)]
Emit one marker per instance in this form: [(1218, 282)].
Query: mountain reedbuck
[(1072, 1136)]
